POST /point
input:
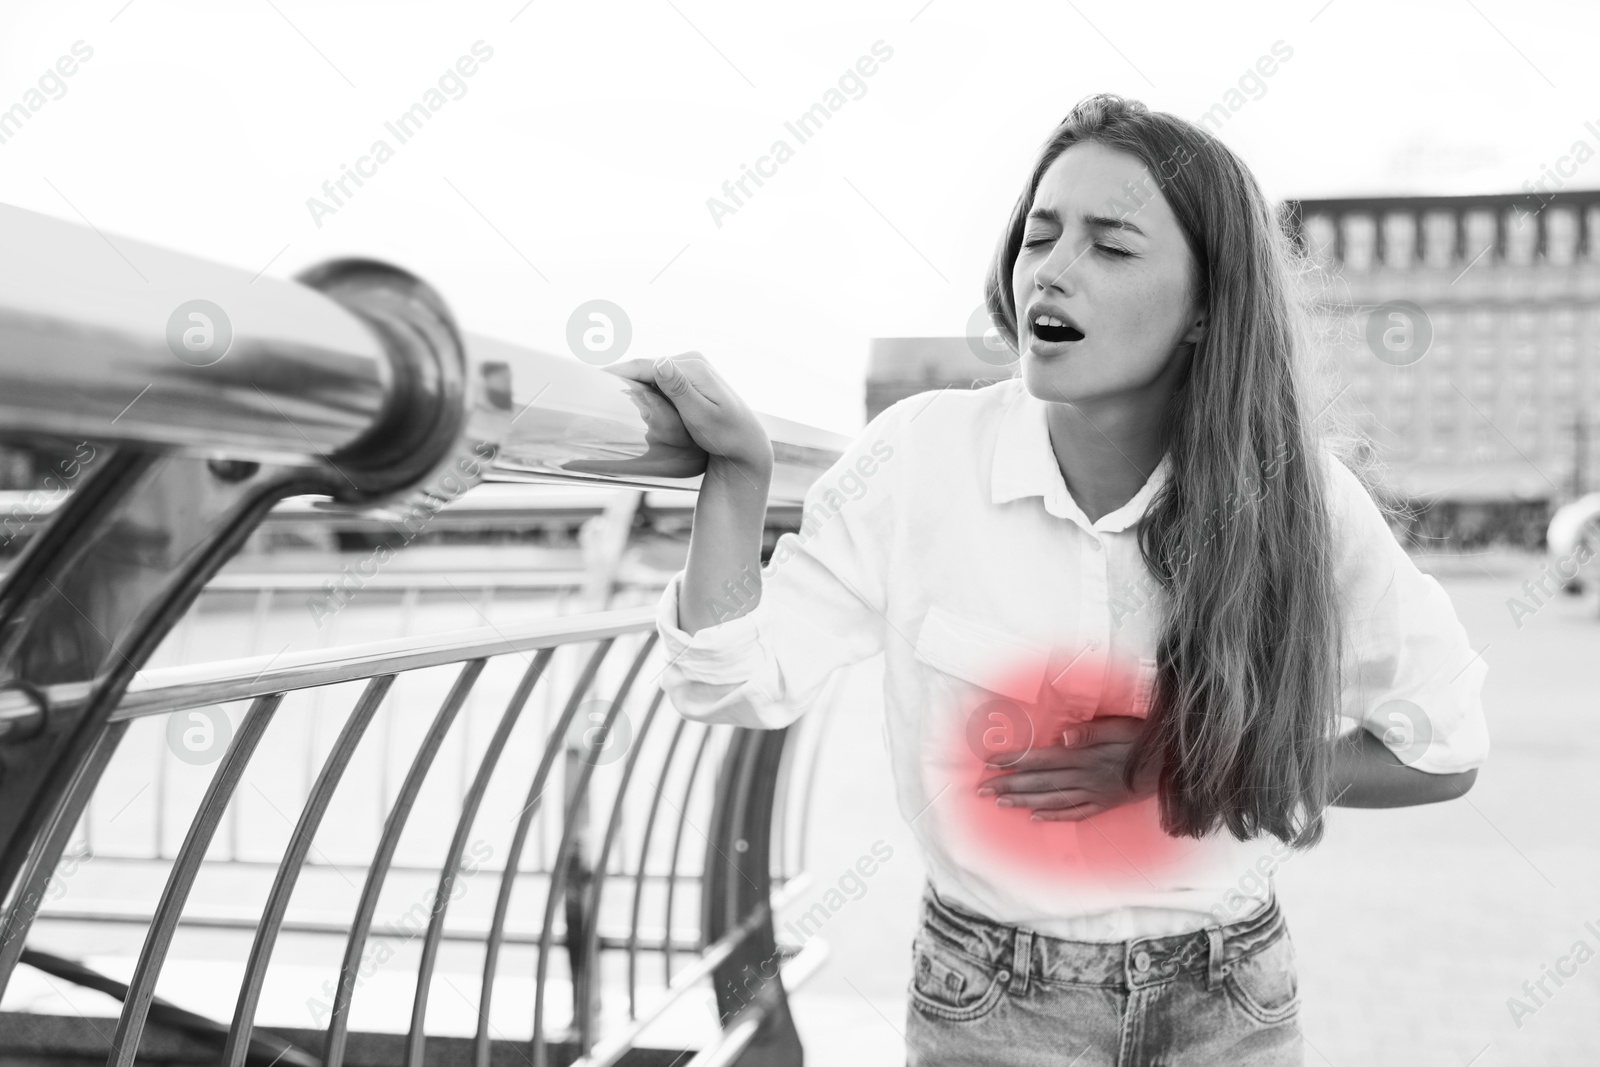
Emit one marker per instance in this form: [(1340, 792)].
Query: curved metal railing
[(266, 681), (195, 402)]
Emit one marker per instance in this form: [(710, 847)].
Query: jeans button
[(1004, 976), (1141, 960)]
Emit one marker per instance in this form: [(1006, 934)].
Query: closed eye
[(1108, 249)]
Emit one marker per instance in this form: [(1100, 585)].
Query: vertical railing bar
[(811, 783), (574, 841), (42, 861), (408, 608), (381, 808), (742, 812), (677, 843), (164, 923), (164, 760), (541, 840), (639, 871), (313, 721), (257, 625), (519, 839), (86, 820), (730, 766), (466, 720), (237, 1049), (591, 905), (378, 870), (732, 798), (258, 620), (162, 763), (232, 815), (558, 877), (415, 1039), (780, 821), (408, 605)]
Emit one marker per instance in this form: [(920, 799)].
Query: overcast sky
[(576, 160)]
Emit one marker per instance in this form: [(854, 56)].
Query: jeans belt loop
[(1021, 960), (1214, 963)]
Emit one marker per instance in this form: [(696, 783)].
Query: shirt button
[(1094, 544), (1141, 961)]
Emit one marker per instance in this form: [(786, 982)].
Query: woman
[(1124, 599)]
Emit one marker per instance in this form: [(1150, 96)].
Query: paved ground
[(1414, 926)]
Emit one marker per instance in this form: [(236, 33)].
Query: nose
[(1055, 271)]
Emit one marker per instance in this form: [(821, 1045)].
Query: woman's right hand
[(710, 414)]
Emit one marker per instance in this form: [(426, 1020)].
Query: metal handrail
[(94, 328), (308, 375), (168, 689)]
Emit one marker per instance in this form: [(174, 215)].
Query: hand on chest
[(990, 669)]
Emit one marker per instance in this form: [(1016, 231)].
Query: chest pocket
[(978, 652)]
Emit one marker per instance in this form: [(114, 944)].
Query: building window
[(1560, 235), (1480, 234), (1439, 238), (1319, 235), (1522, 235), (1399, 239), (1359, 234)]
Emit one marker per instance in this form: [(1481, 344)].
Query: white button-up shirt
[(945, 538)]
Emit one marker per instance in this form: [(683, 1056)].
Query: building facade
[(1464, 333)]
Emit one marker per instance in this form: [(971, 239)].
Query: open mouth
[(1049, 328)]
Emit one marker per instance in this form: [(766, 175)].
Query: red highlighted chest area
[(978, 733)]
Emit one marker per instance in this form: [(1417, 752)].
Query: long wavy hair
[(1246, 701)]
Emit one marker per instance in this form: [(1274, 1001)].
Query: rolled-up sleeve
[(822, 607), (1411, 675)]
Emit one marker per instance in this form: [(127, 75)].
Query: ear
[(1196, 330)]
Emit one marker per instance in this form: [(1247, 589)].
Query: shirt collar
[(1025, 465)]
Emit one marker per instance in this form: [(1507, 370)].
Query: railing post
[(737, 882)]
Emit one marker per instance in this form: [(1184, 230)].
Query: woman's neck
[(1106, 453)]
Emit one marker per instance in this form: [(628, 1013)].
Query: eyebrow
[(1101, 222)]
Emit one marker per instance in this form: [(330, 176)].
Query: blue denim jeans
[(984, 993)]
